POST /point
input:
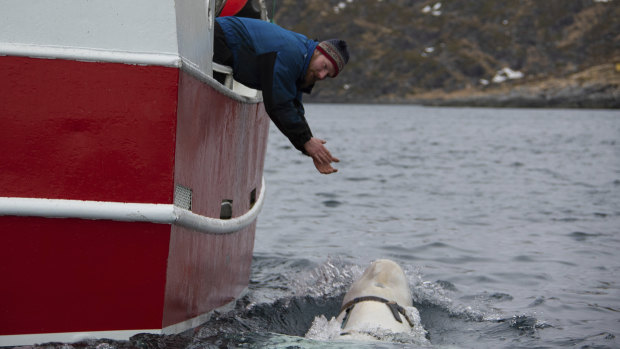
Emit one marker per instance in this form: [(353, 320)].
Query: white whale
[(379, 302), (377, 307)]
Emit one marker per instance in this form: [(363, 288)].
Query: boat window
[(226, 209), (253, 197)]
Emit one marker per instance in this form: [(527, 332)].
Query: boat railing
[(232, 84), (129, 212), (226, 70)]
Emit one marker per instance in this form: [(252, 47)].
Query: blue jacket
[(274, 60)]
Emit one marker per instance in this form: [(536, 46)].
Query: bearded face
[(319, 68)]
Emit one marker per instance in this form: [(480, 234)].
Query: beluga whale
[(377, 306)]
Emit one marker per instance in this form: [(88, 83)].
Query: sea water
[(506, 221)]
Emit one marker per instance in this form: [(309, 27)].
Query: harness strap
[(394, 308)]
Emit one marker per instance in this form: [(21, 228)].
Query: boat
[(130, 179)]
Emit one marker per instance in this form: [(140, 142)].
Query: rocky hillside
[(472, 52)]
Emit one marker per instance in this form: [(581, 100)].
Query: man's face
[(319, 68)]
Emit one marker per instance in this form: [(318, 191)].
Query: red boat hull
[(121, 133)]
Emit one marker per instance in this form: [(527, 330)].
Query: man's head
[(328, 60), (336, 51)]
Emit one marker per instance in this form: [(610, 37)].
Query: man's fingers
[(321, 156), (328, 170), (324, 168), (326, 158)]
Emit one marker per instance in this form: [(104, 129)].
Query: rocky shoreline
[(594, 88), (592, 96), (523, 53)]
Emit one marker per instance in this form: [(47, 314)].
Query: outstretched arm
[(287, 113)]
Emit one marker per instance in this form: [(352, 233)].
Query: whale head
[(383, 278)]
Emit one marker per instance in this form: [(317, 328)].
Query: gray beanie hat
[(336, 51)]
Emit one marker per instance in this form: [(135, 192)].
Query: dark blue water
[(506, 221)]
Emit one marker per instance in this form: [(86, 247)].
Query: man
[(282, 64)]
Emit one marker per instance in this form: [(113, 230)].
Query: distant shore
[(596, 88), (594, 96)]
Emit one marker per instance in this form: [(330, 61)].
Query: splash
[(323, 329), (330, 331), (332, 277)]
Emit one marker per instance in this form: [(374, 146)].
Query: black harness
[(393, 306)]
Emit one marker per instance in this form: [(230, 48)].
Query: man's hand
[(320, 155)]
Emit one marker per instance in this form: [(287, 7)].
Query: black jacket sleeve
[(288, 116)]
